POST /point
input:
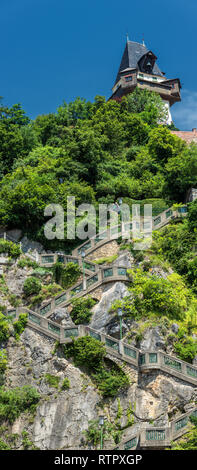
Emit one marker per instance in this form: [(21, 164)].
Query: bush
[(31, 286), (154, 295), (17, 400), (111, 381), (65, 384), (3, 360), (4, 446), (81, 311), (67, 275), (4, 327), (20, 324), (86, 351), (93, 433), (52, 380), (186, 349), (27, 262), (89, 352), (12, 249)]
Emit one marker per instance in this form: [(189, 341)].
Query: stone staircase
[(131, 359), (158, 437), (119, 349), (106, 236)]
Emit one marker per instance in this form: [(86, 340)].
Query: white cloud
[(184, 114)]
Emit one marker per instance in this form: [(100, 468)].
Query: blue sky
[(55, 50)]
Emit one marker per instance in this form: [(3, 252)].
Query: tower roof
[(133, 52)]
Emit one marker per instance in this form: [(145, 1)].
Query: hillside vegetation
[(93, 151), (99, 152)]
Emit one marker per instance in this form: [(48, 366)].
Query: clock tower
[(138, 68)]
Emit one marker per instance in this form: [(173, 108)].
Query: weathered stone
[(153, 340), (109, 249), (125, 259), (60, 315), (101, 317), (175, 328)]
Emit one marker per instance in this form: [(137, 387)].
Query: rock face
[(29, 245), (161, 397), (15, 278), (101, 317), (63, 415), (153, 340), (125, 259), (110, 249)]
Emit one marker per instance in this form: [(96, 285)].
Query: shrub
[(15, 401), (31, 286), (4, 327), (105, 260), (89, 352), (93, 433), (109, 382), (12, 249), (3, 360), (67, 275), (4, 446), (20, 324), (154, 295), (52, 380), (81, 311), (186, 349), (27, 262), (86, 351), (65, 384)]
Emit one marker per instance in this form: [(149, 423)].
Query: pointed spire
[(143, 43), (127, 37)]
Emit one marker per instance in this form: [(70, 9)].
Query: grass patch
[(52, 380), (106, 260)]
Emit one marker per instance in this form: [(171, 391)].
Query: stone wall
[(109, 249)]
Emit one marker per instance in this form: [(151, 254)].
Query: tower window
[(128, 78)]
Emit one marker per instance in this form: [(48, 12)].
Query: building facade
[(138, 68)]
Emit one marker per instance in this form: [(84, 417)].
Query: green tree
[(149, 104), (163, 145), (181, 173), (31, 285), (11, 146), (87, 351)]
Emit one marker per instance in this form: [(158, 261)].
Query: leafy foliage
[(65, 384), (67, 275), (12, 249), (81, 310), (89, 353), (4, 327), (94, 151), (3, 360), (86, 351), (15, 401), (52, 380), (31, 285), (20, 324), (154, 295), (190, 439)]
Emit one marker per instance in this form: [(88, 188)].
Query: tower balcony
[(169, 90)]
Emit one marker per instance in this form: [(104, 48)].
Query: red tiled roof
[(188, 136)]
